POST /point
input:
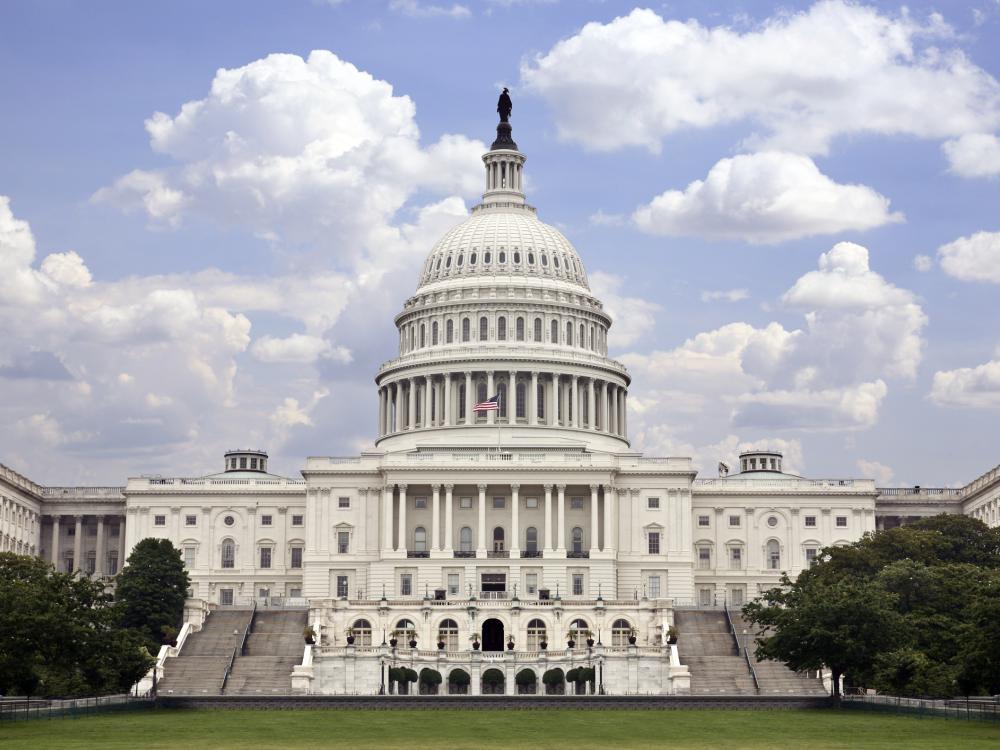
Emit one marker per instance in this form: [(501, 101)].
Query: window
[(582, 341), (484, 329), (569, 334), (502, 390), (536, 633), (531, 539), (448, 634), (576, 503), (405, 584), (465, 503), (461, 401), (465, 329), (621, 631), (554, 333), (112, 563), (538, 329), (190, 520), (531, 502), (703, 521), (362, 633), (654, 542), (265, 557), (531, 583), (465, 539), (226, 597), (704, 558), (294, 592), (498, 539), (420, 539), (296, 557), (265, 520), (654, 587), (735, 558), (434, 333), (91, 562), (812, 555), (498, 503), (253, 463), (341, 587), (449, 332), (453, 584), (734, 520), (772, 521), (653, 503), (810, 522), (343, 542), (577, 539), (71, 531), (228, 554), (736, 597), (841, 522), (157, 521), (706, 597), (540, 400), (577, 584), (189, 557), (501, 328), (519, 329), (229, 520), (773, 555), (520, 409), (343, 502), (420, 503)]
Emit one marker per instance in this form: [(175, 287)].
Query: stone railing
[(516, 351), (69, 493), (20, 481), (180, 483), (785, 485)]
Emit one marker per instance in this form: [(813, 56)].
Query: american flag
[(490, 404)]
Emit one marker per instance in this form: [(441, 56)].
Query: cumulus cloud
[(730, 295), (416, 9), (881, 473), (298, 348), (800, 79), (973, 258), (923, 263), (974, 155), (764, 198), (632, 317), (976, 387)]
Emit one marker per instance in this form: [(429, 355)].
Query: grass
[(485, 730)]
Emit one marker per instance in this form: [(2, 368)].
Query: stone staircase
[(273, 648), (201, 664), (774, 677), (707, 647)]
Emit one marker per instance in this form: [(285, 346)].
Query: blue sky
[(173, 285)]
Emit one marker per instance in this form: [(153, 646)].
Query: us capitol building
[(473, 539)]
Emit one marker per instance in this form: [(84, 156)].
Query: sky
[(211, 212)]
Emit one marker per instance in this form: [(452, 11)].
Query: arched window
[(405, 630), (545, 259), (536, 634), (583, 337), (465, 539), (773, 555), (520, 410), (481, 393), (465, 329), (620, 632), (487, 257), (531, 539), (554, 333), (461, 401), (449, 332), (420, 539), (593, 339), (448, 634), (502, 257), (577, 535), (579, 631), (484, 328), (501, 328), (362, 633), (569, 334), (423, 341), (519, 330), (540, 400), (538, 330), (502, 390), (498, 539), (228, 554), (434, 333), (412, 337)]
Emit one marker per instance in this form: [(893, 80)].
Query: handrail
[(741, 647), (229, 670), (732, 627), (753, 672), (246, 631), (242, 648)]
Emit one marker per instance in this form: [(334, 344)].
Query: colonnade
[(18, 527), (536, 399), (103, 550), (504, 173)]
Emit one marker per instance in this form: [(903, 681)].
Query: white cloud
[(731, 295), (67, 269), (974, 155), (632, 317), (881, 473), (298, 348), (416, 9), (973, 258), (800, 78), (923, 263), (764, 198), (976, 387), (290, 413)]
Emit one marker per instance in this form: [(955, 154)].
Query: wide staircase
[(273, 648), (706, 645), (774, 677), (201, 665)]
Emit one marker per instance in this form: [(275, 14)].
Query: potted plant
[(570, 640), (589, 635), (475, 641), (543, 645), (672, 633), (413, 643), (632, 635), (510, 643), (394, 638), (350, 636), (309, 634), (441, 645)]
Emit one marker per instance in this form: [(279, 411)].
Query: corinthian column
[(548, 517), (515, 522), (593, 519), (436, 517), (402, 518), (448, 518), (561, 529), (533, 400), (481, 546)]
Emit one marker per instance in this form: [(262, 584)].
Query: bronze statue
[(504, 106)]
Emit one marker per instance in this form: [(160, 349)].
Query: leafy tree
[(151, 590), (59, 634)]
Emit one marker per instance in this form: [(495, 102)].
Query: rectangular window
[(159, 520), (811, 556), (296, 557), (342, 587), (453, 584), (654, 587), (263, 593), (654, 542), (343, 502), (190, 520), (465, 503), (734, 520), (265, 520), (704, 558), (405, 584), (420, 503), (498, 503), (578, 584), (343, 542), (653, 503), (736, 597), (296, 520), (705, 597), (531, 582), (841, 522), (735, 558), (810, 522), (531, 502), (226, 597), (71, 531), (265, 557), (703, 521), (113, 564), (294, 593), (576, 503), (189, 557), (91, 563)]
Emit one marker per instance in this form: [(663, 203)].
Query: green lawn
[(517, 730)]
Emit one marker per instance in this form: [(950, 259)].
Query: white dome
[(504, 241)]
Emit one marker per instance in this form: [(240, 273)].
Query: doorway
[(492, 635)]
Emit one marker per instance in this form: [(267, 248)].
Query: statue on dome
[(504, 106)]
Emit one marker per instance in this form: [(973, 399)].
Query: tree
[(151, 590)]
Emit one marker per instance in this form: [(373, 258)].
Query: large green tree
[(59, 634), (151, 590)]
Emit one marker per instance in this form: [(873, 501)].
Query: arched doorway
[(492, 635)]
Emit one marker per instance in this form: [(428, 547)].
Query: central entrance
[(492, 635)]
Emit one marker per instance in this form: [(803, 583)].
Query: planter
[(510, 645), (413, 643), (350, 640), (672, 639), (393, 642), (571, 643), (631, 640), (543, 645), (590, 643), (440, 645), (475, 645)]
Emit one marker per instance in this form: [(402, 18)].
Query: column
[(606, 408), (515, 522), (594, 519), (490, 415), (512, 397), (55, 542), (100, 554), (622, 396), (411, 404), (402, 518), (533, 400), (614, 410), (428, 389), (447, 400), (397, 412), (381, 411), (435, 517), (387, 518), (548, 517), (448, 532), (575, 385), (481, 546), (609, 519), (561, 527), (551, 394), (78, 543), (468, 402), (591, 405), (752, 560)]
